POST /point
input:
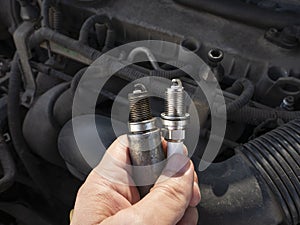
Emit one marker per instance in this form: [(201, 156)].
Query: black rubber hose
[(50, 71), (259, 185), (90, 22), (7, 165), (256, 116), (243, 12), (76, 79), (46, 4), (276, 156), (31, 163), (233, 193), (245, 89), (129, 73), (46, 34)]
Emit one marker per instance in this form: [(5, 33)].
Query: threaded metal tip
[(175, 99), (139, 104)]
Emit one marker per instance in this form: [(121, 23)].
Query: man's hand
[(109, 196)]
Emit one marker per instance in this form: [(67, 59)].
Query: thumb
[(168, 199)]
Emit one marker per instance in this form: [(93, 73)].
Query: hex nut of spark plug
[(174, 135)]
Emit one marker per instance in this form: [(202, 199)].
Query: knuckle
[(82, 191)]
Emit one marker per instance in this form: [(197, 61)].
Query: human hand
[(109, 196)]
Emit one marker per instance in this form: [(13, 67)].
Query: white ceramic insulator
[(175, 148)]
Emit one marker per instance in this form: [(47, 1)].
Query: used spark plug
[(175, 119), (144, 140)]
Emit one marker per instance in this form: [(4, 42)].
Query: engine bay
[(251, 48)]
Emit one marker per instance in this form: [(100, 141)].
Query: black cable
[(255, 116), (46, 4), (90, 22), (245, 89), (46, 34), (129, 73), (50, 71)]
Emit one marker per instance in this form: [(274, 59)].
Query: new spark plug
[(144, 139), (175, 119)]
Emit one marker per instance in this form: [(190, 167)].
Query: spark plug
[(144, 139), (175, 119)]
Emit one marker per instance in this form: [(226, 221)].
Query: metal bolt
[(288, 103), (215, 55)]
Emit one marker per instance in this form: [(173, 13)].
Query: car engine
[(251, 50)]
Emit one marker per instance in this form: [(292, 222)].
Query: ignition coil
[(144, 140), (175, 119)]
